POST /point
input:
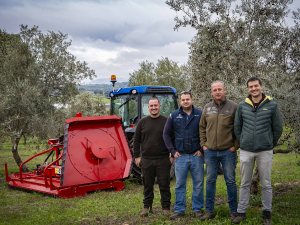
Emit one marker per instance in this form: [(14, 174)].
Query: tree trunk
[(12, 139), (16, 154), (275, 151), (25, 139), (255, 178), (254, 183)]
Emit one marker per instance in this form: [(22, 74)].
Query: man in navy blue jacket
[(183, 124)]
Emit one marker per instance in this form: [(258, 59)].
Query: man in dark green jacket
[(258, 127)]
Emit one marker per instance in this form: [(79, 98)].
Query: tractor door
[(126, 107)]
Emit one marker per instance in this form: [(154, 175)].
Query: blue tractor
[(131, 104)]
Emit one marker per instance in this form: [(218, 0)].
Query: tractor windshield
[(125, 106), (167, 102)]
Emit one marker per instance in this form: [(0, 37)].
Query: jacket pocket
[(179, 144), (246, 140), (195, 144), (141, 163), (264, 141)]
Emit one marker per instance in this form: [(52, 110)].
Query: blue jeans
[(228, 161), (183, 164)]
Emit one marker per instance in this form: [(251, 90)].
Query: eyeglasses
[(185, 92)]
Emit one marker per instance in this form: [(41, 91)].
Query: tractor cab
[(131, 103)]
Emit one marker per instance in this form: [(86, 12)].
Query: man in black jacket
[(152, 156), (258, 127)]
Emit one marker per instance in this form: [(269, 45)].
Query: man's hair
[(186, 93), (254, 79), (217, 81), (155, 98)]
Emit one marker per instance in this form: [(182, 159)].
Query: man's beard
[(154, 114), (187, 108)]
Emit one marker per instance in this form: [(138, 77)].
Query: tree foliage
[(236, 41), (102, 89), (85, 104), (165, 73), (37, 72)]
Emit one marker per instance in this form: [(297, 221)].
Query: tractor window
[(125, 106), (167, 102)]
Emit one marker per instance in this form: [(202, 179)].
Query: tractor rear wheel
[(137, 172)]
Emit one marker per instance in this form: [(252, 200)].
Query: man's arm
[(137, 143), (276, 126), (202, 130), (238, 123), (236, 144), (167, 135)]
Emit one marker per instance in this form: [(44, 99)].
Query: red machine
[(94, 155)]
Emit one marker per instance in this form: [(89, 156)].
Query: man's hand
[(172, 160), (232, 149), (198, 153), (177, 154), (204, 147), (137, 161)]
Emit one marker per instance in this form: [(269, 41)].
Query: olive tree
[(238, 40), (165, 73), (87, 105), (37, 72)]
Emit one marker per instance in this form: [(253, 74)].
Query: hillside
[(101, 88)]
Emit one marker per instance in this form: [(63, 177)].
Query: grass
[(103, 98), (20, 207)]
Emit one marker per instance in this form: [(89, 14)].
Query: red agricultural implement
[(93, 155)]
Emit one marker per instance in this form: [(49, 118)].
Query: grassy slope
[(19, 207)]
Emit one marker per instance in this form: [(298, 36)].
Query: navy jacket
[(185, 130)]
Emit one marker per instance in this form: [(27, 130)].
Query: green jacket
[(258, 130)]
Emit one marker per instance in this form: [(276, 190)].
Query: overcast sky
[(112, 36)]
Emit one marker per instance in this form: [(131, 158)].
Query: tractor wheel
[(172, 172), (137, 172)]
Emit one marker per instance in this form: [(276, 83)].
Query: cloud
[(112, 36)]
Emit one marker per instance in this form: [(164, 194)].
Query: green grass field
[(20, 207), (103, 98)]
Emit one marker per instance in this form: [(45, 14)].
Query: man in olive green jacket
[(219, 144), (258, 127)]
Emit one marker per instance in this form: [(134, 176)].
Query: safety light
[(113, 78)]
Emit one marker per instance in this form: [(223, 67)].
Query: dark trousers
[(159, 168)]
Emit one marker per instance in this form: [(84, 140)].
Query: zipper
[(255, 119), (217, 128), (254, 129), (219, 109)]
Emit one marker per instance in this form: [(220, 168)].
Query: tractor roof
[(144, 90)]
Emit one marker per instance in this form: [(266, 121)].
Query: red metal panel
[(70, 191), (95, 151), (95, 156)]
